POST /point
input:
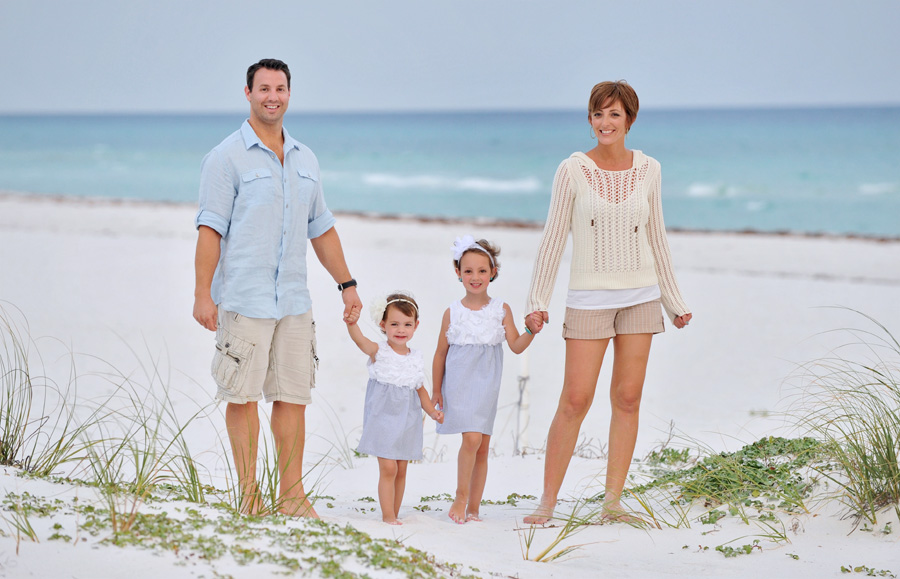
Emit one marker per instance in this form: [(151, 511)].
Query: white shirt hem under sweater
[(618, 233)]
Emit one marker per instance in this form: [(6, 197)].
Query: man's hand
[(205, 312), (351, 302)]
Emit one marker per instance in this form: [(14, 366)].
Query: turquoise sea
[(831, 170)]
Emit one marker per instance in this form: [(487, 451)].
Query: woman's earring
[(492, 279), (593, 134), (460, 279)]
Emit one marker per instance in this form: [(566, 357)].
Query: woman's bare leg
[(631, 352), (584, 359)]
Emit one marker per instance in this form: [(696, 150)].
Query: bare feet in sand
[(616, 514), (458, 512), (295, 508), (392, 521), (473, 518), (541, 515), (252, 504)]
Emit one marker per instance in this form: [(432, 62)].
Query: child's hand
[(352, 316), (438, 416), (437, 400), (535, 322)]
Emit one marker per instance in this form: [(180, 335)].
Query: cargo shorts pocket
[(231, 361)]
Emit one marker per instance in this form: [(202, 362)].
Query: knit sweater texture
[(618, 233)]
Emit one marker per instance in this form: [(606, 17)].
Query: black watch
[(346, 284)]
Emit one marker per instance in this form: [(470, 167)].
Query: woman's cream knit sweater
[(617, 229)]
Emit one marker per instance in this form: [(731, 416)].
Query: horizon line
[(460, 111)]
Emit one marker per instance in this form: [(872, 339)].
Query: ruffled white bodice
[(484, 326), (391, 368)]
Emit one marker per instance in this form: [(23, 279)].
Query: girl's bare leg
[(479, 477), (387, 473), (471, 441), (583, 361), (399, 485), (629, 369)]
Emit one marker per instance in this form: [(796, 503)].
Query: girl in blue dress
[(395, 398), (467, 367)]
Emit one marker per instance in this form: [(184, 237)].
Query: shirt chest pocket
[(306, 186), (257, 187)]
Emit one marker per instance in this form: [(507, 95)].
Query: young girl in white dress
[(467, 367), (395, 397)]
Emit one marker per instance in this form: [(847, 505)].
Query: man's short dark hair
[(270, 64)]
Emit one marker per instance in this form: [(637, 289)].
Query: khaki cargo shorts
[(258, 357)]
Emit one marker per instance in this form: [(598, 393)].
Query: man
[(260, 199)]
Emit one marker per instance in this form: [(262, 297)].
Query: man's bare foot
[(473, 517), (541, 515), (252, 504), (295, 508), (458, 512)]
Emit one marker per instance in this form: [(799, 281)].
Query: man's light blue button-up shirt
[(264, 212)]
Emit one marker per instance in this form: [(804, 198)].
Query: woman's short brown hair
[(606, 93)]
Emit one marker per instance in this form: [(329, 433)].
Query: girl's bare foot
[(541, 515), (458, 512), (392, 521), (473, 517)]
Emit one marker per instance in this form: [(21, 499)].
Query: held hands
[(437, 400), (351, 302), (682, 321), (535, 321), (352, 316), (437, 416)]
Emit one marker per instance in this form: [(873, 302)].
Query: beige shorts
[(258, 357), (643, 318)]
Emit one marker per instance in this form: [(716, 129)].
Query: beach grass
[(851, 401), (129, 451)]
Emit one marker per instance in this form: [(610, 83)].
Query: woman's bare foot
[(473, 517), (616, 514), (541, 515), (392, 521), (458, 512)]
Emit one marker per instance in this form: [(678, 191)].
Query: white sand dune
[(106, 278)]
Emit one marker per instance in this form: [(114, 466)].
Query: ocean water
[(803, 170)]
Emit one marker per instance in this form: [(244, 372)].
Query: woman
[(621, 271)]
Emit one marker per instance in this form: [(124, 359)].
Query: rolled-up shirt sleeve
[(320, 217), (217, 193)]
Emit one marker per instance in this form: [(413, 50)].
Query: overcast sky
[(186, 56)]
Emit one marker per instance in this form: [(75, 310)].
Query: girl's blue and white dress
[(392, 419), (474, 365)]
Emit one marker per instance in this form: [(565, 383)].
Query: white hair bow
[(464, 244)]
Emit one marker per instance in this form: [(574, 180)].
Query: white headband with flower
[(378, 305), (464, 244)]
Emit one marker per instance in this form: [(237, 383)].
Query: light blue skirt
[(471, 388), (392, 422)]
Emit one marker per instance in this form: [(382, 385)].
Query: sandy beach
[(113, 283)]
